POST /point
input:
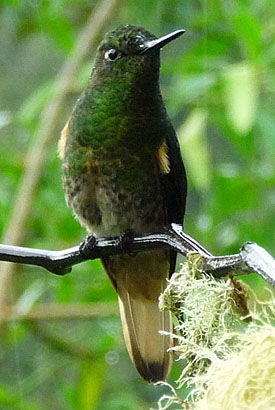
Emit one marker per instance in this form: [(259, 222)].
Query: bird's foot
[(125, 241), (87, 246)]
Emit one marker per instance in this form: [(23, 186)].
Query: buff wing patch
[(63, 140), (163, 159)]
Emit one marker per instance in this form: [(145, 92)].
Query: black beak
[(160, 42)]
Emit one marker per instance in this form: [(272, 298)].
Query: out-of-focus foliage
[(218, 82)]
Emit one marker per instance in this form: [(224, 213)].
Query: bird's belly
[(107, 207), (121, 210)]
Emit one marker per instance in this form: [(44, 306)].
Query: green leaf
[(194, 149), (91, 384), (189, 89), (13, 401), (65, 289), (248, 30), (57, 26), (241, 96), (11, 2), (33, 105), (266, 125), (83, 76)]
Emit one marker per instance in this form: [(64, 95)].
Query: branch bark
[(251, 258)]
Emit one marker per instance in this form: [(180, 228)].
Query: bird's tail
[(138, 291), (141, 322)]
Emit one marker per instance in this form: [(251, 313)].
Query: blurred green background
[(218, 82)]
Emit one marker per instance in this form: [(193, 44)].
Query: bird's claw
[(125, 241), (87, 246)]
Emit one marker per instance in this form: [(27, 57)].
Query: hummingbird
[(122, 171)]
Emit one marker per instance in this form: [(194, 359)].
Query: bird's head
[(131, 50)]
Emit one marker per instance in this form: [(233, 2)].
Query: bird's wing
[(173, 184)]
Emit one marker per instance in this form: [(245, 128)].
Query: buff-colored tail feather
[(141, 322)]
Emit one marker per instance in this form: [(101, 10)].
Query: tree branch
[(59, 311), (251, 258)]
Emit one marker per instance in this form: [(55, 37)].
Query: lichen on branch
[(226, 349)]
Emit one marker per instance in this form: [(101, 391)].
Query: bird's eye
[(112, 54)]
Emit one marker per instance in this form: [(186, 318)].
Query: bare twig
[(60, 311), (251, 258), (36, 156)]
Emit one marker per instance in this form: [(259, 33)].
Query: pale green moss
[(228, 355)]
